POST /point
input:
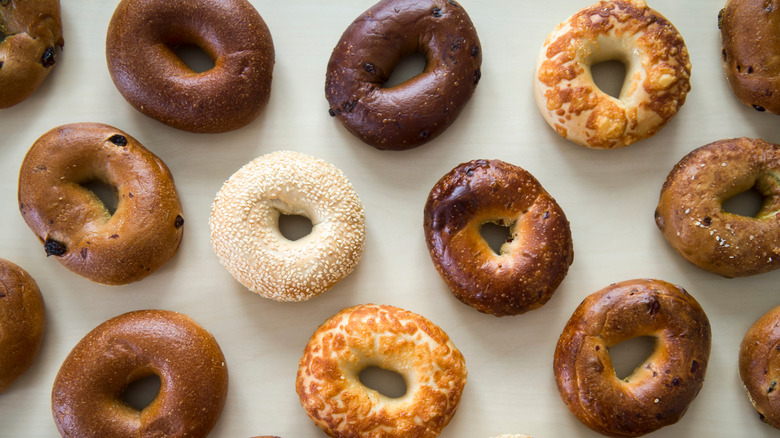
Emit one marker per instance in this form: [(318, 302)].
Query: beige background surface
[(609, 198)]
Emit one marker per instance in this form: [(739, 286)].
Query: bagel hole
[(629, 355), (105, 193), (609, 76), (496, 235), (386, 382), (294, 227), (195, 57), (141, 393), (747, 203), (408, 67)]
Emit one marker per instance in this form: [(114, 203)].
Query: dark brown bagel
[(758, 366), (140, 53), (660, 390), (532, 263), (30, 32), (73, 224), (418, 110), (751, 51), (86, 396), (22, 322), (690, 209)]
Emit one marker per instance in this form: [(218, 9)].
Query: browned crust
[(532, 264), (660, 390), (690, 209), (22, 322), (393, 339), (153, 79), (417, 111), (751, 51), (30, 32), (143, 233), (759, 366), (86, 396)]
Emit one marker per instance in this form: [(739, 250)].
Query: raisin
[(707, 221), (331, 112), (475, 51), (436, 12), (653, 307), (477, 76), (452, 2), (694, 366), (119, 140), (546, 215), (348, 107), (425, 133), (759, 108), (54, 248), (1, 64), (369, 68), (676, 381), (178, 222), (47, 59)]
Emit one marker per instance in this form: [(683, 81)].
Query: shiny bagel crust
[(657, 74), (759, 366), (86, 396), (531, 264), (690, 209), (393, 339), (73, 224), (751, 51), (30, 32), (414, 112), (660, 390), (140, 44), (22, 322)]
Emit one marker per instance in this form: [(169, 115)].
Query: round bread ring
[(690, 209), (30, 32), (759, 362), (393, 339), (657, 74), (22, 322), (418, 110), (245, 226), (532, 263), (140, 46), (751, 51), (659, 391), (73, 224), (87, 392)]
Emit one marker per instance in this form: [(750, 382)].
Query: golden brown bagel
[(22, 322), (690, 209), (73, 224), (30, 32), (86, 397), (418, 110), (532, 263), (759, 366), (659, 391), (392, 339), (751, 51), (140, 53)]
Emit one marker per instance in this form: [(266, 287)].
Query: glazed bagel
[(659, 391), (22, 322), (30, 32), (142, 37), (690, 209), (86, 397), (76, 227), (751, 51), (418, 110), (758, 366), (392, 339), (657, 74), (245, 226), (531, 264)]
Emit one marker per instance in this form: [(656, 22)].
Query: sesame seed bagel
[(393, 339), (758, 366), (657, 74), (245, 226)]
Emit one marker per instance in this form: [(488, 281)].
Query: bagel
[(690, 209), (71, 222), (30, 32), (751, 51), (140, 44), (531, 264), (86, 396), (660, 390), (245, 226), (417, 111), (22, 322), (758, 358), (392, 339), (657, 74)]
